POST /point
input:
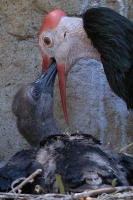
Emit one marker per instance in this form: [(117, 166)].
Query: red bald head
[(52, 19), (50, 22)]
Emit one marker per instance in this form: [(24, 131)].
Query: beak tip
[(67, 120)]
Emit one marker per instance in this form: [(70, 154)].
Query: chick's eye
[(36, 94), (47, 41)]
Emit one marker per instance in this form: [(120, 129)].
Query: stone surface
[(99, 113)]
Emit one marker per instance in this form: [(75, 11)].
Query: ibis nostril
[(43, 75)]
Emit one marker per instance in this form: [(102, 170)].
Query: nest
[(110, 193), (121, 193)]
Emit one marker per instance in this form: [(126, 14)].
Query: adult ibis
[(101, 34)]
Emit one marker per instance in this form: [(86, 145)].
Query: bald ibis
[(101, 34)]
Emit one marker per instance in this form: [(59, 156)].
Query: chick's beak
[(46, 80)]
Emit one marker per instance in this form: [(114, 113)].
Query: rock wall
[(92, 107)]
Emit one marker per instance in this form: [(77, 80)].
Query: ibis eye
[(47, 41)]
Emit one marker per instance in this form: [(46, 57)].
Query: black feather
[(112, 35), (21, 165)]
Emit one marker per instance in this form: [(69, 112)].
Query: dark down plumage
[(81, 160)]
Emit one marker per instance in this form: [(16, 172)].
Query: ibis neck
[(82, 47), (50, 128)]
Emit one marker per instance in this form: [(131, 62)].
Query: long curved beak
[(62, 86), (62, 82)]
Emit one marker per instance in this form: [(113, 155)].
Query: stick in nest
[(101, 191), (76, 196), (126, 147), (32, 176)]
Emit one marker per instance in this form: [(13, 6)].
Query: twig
[(103, 190), (15, 182), (126, 147), (38, 197), (38, 171), (116, 196), (87, 194)]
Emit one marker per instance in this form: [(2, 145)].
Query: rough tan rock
[(99, 113)]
